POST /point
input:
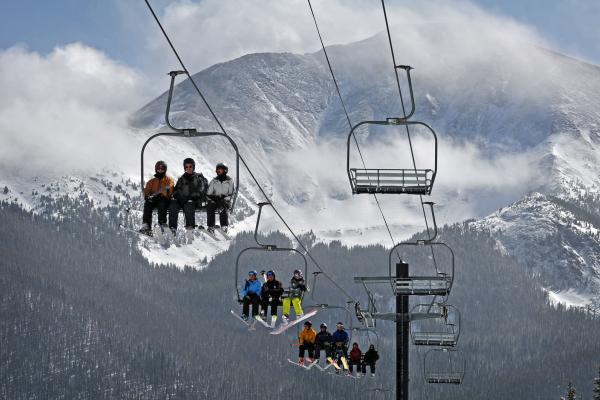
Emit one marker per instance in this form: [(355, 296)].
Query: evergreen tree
[(571, 393), (597, 386)]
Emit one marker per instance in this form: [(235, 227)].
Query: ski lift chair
[(388, 180), (190, 133), (263, 247), (444, 366), (435, 325)]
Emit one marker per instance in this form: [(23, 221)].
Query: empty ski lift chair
[(408, 180), (444, 366), (265, 248), (190, 133), (435, 325)]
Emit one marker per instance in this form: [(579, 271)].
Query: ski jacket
[(162, 186), (190, 187), (340, 336), (307, 336), (355, 354), (251, 287), (371, 356), (272, 288), (324, 338), (297, 287), (221, 188)]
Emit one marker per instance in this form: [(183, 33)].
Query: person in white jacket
[(219, 193)]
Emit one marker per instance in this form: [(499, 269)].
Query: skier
[(340, 339), (189, 194), (370, 359), (294, 296), (307, 342), (219, 193), (356, 359), (323, 342), (157, 193), (250, 295), (270, 295)]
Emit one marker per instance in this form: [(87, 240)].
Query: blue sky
[(120, 27)]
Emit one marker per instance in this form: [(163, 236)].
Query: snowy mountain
[(512, 119)]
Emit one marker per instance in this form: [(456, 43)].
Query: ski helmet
[(189, 161), (271, 273), (308, 323), (252, 272), (160, 164), (323, 325), (297, 272), (222, 166)]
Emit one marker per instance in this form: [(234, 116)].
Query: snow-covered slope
[(542, 234)]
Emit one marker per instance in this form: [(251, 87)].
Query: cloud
[(66, 110), (212, 31)]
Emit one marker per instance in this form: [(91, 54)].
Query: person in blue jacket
[(251, 294), (340, 339)]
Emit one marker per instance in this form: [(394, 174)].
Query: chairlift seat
[(455, 378), (434, 339), (392, 181), (424, 285)]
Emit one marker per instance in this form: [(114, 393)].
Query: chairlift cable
[(241, 157), (337, 88), (387, 26)]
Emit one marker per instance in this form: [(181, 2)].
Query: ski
[(331, 361), (345, 363), (273, 321), (307, 366), (284, 327), (222, 232), (262, 321), (147, 235), (249, 324), (209, 234)]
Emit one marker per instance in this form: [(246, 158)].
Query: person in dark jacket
[(157, 193), (370, 358), (189, 194), (323, 342), (356, 359), (270, 295), (251, 295), (220, 192)]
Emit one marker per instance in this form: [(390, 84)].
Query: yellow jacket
[(164, 186), (307, 336)]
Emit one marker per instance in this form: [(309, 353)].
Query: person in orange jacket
[(307, 340), (157, 194)]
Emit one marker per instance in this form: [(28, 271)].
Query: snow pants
[(253, 299), (160, 203), (296, 302), (189, 211), (371, 366), (360, 366), (310, 347), (267, 301), (322, 346), (211, 209)]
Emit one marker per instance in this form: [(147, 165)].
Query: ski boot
[(285, 319), (145, 230), (245, 317), (301, 361)]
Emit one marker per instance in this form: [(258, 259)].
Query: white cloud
[(66, 110), (212, 31)]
